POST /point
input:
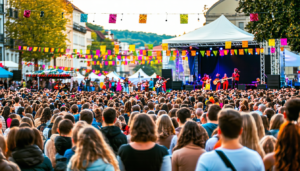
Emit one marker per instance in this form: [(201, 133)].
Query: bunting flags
[(271, 42), (283, 41), (241, 52), (202, 53), (228, 45), (143, 19), (184, 18), (215, 52), (193, 53), (112, 18), (250, 51), (183, 53), (244, 44), (165, 46), (208, 53), (246, 51), (273, 50)]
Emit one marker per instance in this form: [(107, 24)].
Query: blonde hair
[(28, 120), (249, 137), (259, 125), (164, 126), (90, 147), (268, 143)]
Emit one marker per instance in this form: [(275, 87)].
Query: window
[(16, 58), (241, 25), (7, 56), (16, 13), (12, 57)]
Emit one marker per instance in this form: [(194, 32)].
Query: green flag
[(215, 52), (202, 53)]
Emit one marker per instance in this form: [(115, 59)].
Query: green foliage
[(134, 37), (284, 25), (36, 31)]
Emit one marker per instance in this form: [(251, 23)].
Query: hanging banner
[(241, 51), (283, 41), (184, 18), (245, 44), (164, 46), (193, 53), (150, 46), (232, 52), (226, 52), (87, 52), (215, 52), (250, 51), (112, 18), (202, 53), (262, 50), (257, 51), (183, 53), (208, 53), (149, 53), (271, 42), (102, 49), (273, 50), (143, 19), (83, 18), (228, 45)]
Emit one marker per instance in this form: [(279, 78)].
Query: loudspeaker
[(189, 87), (17, 75), (167, 73), (242, 87), (262, 87), (176, 85), (273, 81)]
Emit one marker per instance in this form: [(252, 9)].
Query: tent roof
[(113, 74), (5, 74), (142, 74), (9, 64), (79, 75), (291, 59), (153, 75), (220, 30), (93, 75)]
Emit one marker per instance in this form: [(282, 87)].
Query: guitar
[(159, 85), (221, 80)]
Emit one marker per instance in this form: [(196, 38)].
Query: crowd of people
[(238, 130)]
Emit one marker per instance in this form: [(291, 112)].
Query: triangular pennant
[(246, 51), (202, 53), (235, 51), (215, 52)]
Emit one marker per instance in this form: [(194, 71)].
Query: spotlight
[(210, 48), (191, 47), (255, 53), (221, 48), (197, 53)]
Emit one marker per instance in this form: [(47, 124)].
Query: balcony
[(79, 28), (1, 38), (1, 8)]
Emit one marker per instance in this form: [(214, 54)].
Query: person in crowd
[(142, 153), (27, 155), (240, 158), (190, 147), (4, 164), (165, 130), (249, 137), (212, 119), (259, 125), (14, 123), (111, 133), (285, 156), (268, 144), (92, 153), (45, 119), (276, 122), (63, 141)]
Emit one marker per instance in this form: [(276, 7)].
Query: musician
[(113, 84), (205, 77), (151, 84), (235, 78), (218, 86), (106, 82), (158, 85), (146, 86), (207, 83), (225, 83), (164, 86), (139, 86)]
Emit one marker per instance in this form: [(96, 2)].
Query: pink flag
[(221, 52), (20, 47), (98, 52), (141, 52), (125, 62), (109, 52), (253, 17), (283, 41), (273, 50), (99, 74), (112, 18), (140, 58), (113, 62)]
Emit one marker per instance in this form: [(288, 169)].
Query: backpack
[(61, 163)]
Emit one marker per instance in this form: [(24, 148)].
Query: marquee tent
[(139, 74), (153, 75), (79, 77), (113, 74), (291, 59), (220, 30), (93, 77)]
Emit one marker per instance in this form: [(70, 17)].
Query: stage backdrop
[(248, 65)]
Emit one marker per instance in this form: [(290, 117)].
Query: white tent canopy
[(79, 77), (153, 75), (220, 30), (113, 75), (291, 59), (93, 76), (140, 73)]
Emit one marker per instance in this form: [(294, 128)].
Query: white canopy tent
[(291, 59), (113, 75), (79, 77), (93, 76), (139, 76), (220, 30), (10, 65), (153, 75)]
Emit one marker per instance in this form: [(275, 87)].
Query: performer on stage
[(119, 87), (151, 84), (146, 86), (158, 85), (139, 86), (164, 86), (218, 86), (106, 81), (207, 83), (113, 84), (235, 78), (225, 83), (205, 77)]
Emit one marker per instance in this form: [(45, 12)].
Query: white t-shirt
[(243, 159)]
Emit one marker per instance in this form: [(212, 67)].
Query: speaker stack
[(273, 81), (189, 87), (17, 75), (168, 74), (177, 85), (262, 87)]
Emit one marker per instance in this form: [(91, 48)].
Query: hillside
[(133, 37)]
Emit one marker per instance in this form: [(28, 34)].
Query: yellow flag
[(245, 44), (164, 46), (271, 42), (228, 45), (46, 49), (87, 52), (118, 62), (183, 53), (131, 48), (103, 49)]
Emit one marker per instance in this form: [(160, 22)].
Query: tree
[(277, 19), (45, 27)]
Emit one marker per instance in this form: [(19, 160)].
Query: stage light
[(210, 48), (255, 53), (221, 48), (197, 53), (191, 47)]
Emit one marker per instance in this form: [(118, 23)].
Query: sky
[(98, 13)]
